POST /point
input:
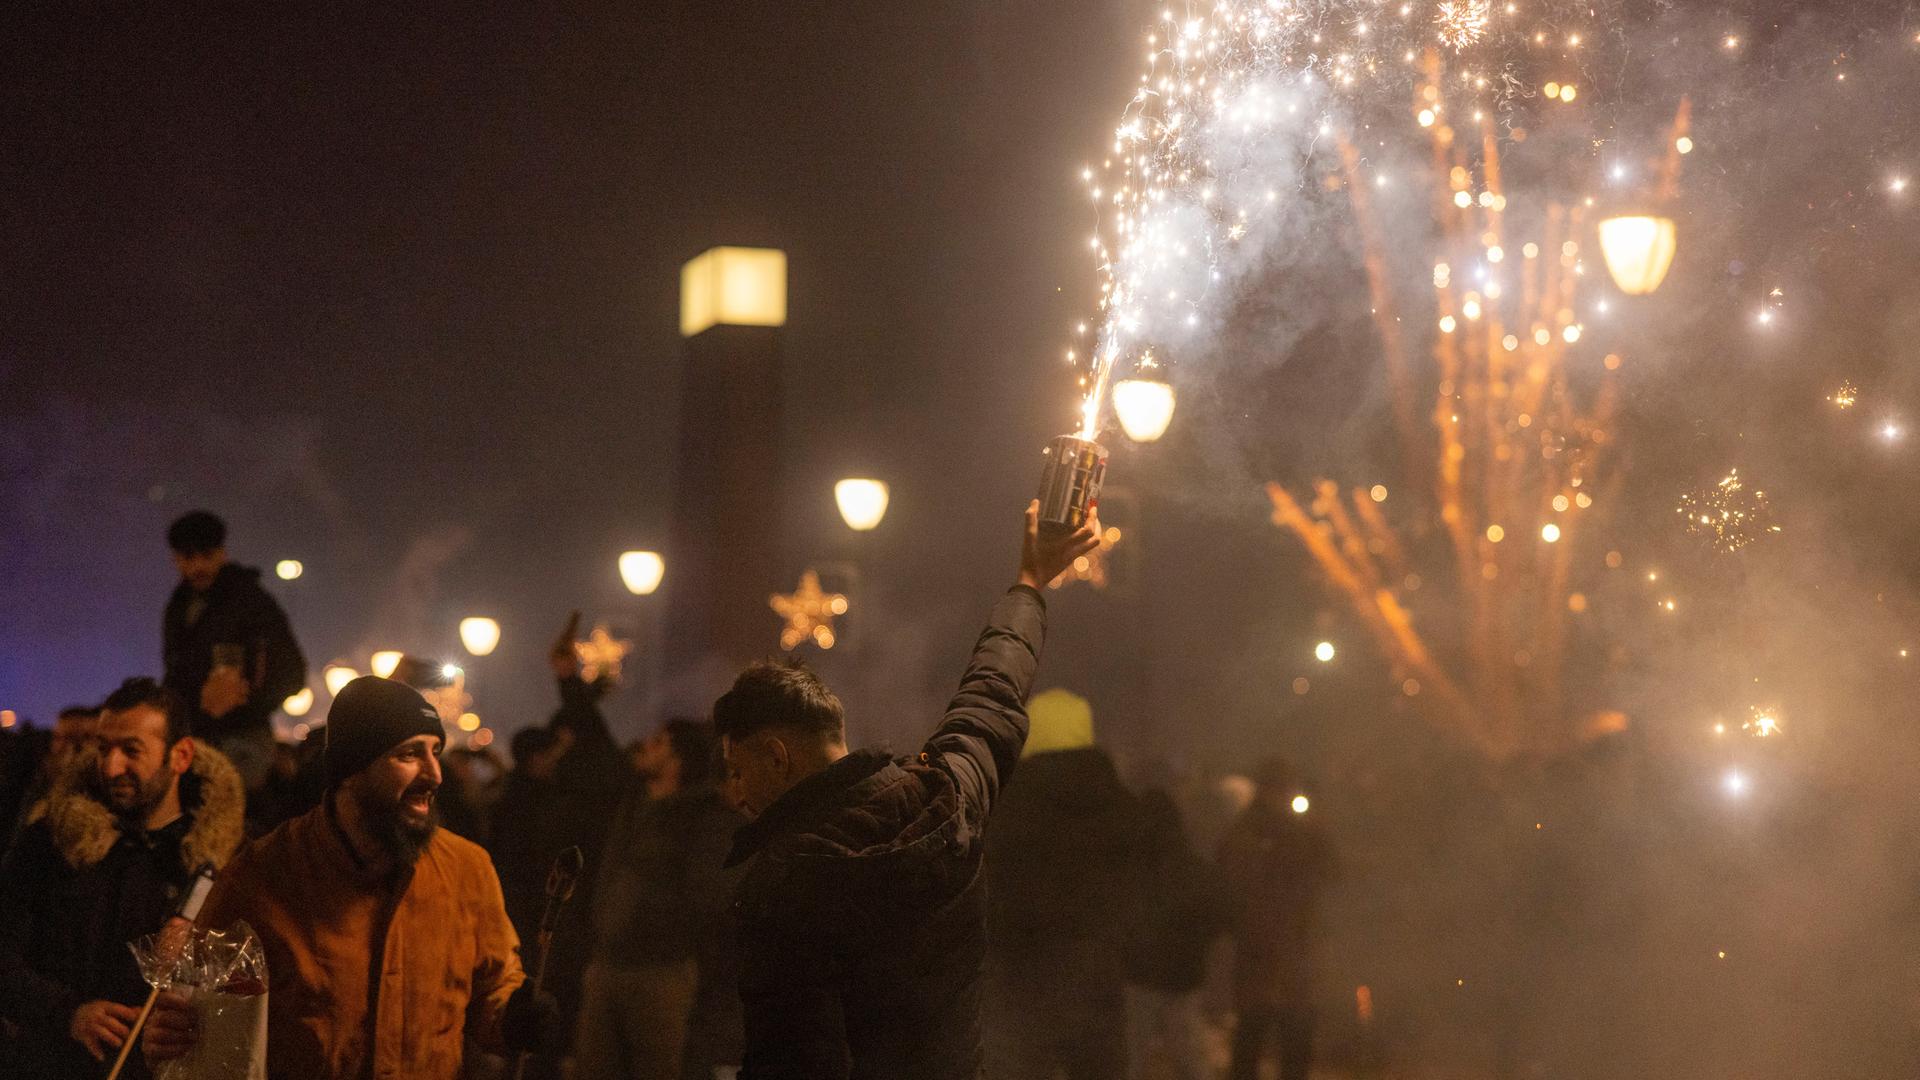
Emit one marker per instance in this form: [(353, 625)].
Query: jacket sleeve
[(986, 724), (497, 972), (27, 997), (283, 668)]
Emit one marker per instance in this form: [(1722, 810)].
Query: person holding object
[(228, 649), (386, 939), (124, 829), (861, 912)]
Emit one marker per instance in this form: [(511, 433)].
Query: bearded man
[(124, 826), (386, 939)]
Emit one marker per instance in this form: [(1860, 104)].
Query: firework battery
[(1070, 484)]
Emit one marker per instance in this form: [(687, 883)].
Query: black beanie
[(369, 717)]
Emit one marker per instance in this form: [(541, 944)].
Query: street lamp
[(479, 634), (299, 704), (337, 676), (1145, 408), (384, 662), (1639, 250), (863, 503), (642, 571)]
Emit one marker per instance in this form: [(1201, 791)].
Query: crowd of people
[(756, 898)]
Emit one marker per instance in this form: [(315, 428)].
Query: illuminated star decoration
[(601, 654), (1727, 515), (809, 612), (1091, 567), (1463, 22)]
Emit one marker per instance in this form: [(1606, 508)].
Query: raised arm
[(986, 723)]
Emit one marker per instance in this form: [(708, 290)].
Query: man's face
[(758, 768), (137, 769), (71, 733), (200, 568), (396, 793), (655, 756)]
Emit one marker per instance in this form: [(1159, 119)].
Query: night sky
[(396, 294)]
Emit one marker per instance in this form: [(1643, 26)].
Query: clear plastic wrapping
[(224, 977)]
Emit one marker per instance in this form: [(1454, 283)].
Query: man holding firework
[(862, 910)]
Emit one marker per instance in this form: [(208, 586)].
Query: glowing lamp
[(299, 704), (1301, 804), (642, 571), (288, 569), (479, 634), (863, 503), (1145, 408), (1639, 251), (733, 286), (384, 662), (337, 676)]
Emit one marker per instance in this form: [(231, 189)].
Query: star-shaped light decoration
[(600, 655), (809, 612), (1091, 567)]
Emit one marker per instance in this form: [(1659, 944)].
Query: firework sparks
[(1728, 515), (1763, 723), (1846, 396), (1463, 22)]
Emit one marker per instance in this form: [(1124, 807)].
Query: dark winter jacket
[(1277, 864), (234, 611), (76, 888), (662, 887), (1184, 904), (664, 896), (862, 913), (1064, 878)]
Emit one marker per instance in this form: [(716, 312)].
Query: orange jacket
[(449, 962)]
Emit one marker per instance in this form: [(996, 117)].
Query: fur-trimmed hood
[(211, 795)]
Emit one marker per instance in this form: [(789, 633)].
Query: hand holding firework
[(1046, 553)]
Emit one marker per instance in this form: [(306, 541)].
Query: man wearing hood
[(124, 829), (228, 650), (1064, 876), (861, 913)]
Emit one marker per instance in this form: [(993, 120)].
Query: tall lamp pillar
[(724, 540)]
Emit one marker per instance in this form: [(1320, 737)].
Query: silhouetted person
[(1277, 862), (660, 999), (125, 826), (72, 735), (228, 650), (1184, 908), (862, 912), (1063, 874)]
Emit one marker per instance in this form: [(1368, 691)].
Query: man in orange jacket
[(386, 938)]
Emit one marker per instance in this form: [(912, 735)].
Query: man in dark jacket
[(123, 832), (1277, 862), (861, 916), (656, 995), (228, 650), (1063, 869)]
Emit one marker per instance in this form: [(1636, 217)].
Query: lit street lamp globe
[(384, 662), (641, 571), (337, 676), (479, 634), (299, 704), (863, 503), (1638, 250), (1145, 408)]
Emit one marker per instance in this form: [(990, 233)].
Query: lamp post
[(1144, 406), (479, 634), (1639, 250), (863, 503), (641, 571)]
